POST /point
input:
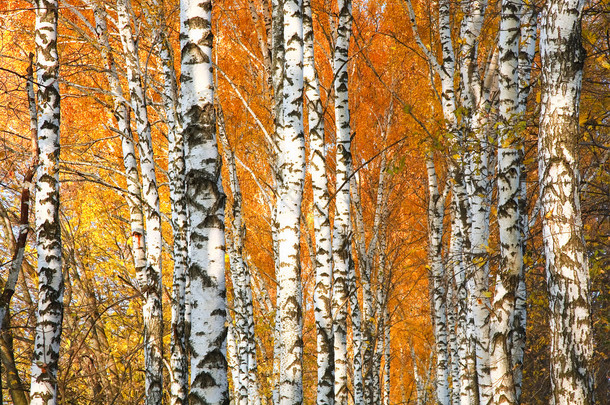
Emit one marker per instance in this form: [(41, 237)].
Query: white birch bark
[(468, 393), (529, 18), (510, 155), (177, 187), (476, 233), (205, 204), (562, 58), (370, 381), (49, 315), (152, 310), (342, 223), (292, 172), (388, 357), (277, 80), (322, 229), (453, 328), (436, 214), (232, 361), (248, 390), (357, 350), (130, 163)]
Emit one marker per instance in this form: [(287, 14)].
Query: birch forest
[(286, 202)]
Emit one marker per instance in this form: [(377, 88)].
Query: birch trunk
[(130, 163), (453, 328), (322, 229), (342, 223), (388, 357), (475, 176), (205, 204), (562, 58), (242, 290), (45, 358), (153, 314), (526, 57), (468, 391), (277, 79), (436, 211), (177, 188), (292, 172), (510, 153)]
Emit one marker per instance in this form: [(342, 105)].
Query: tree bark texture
[(205, 201), (562, 58), (152, 311), (322, 228), (45, 358)]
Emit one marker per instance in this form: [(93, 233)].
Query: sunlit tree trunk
[(468, 393), (291, 165), (562, 58), (130, 163), (247, 383), (476, 231), (205, 204), (277, 76), (177, 184), (322, 229), (45, 358), (152, 311), (388, 357), (510, 154), (342, 224), (436, 214), (453, 328), (365, 265), (527, 52), (232, 361)]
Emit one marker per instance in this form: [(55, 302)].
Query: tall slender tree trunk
[(130, 163), (242, 290), (476, 231), (526, 57), (322, 229), (43, 389), (277, 81), (342, 223), (510, 154), (562, 58), (292, 172), (205, 203), (388, 356), (436, 214), (152, 309), (177, 188)]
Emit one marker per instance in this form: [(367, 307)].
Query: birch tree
[(529, 17), (436, 214), (205, 203), (562, 58), (130, 164), (322, 228), (342, 224), (246, 381), (177, 184), (45, 358), (291, 159), (152, 311), (510, 154)]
